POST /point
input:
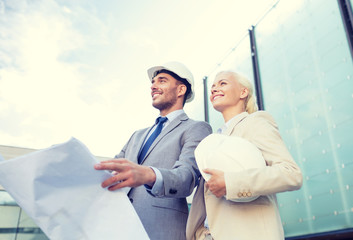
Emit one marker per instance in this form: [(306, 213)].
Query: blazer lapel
[(172, 125), (235, 122), (141, 141)]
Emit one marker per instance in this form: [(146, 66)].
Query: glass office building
[(299, 56), (14, 222)]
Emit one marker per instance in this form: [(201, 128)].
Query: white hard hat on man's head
[(179, 69)]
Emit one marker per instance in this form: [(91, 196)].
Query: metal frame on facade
[(205, 100), (347, 18), (256, 69)]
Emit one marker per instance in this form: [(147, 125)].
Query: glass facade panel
[(14, 223), (195, 109), (9, 216), (238, 60), (307, 78)]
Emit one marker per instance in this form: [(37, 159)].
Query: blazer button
[(249, 194), (244, 194), (240, 194), (131, 200), (173, 191)]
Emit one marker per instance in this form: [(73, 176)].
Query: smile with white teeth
[(217, 96), (155, 94)]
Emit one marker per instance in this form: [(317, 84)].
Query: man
[(162, 172)]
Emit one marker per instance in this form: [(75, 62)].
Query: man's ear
[(244, 93), (181, 89)]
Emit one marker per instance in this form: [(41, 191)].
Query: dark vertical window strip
[(256, 69), (18, 224), (205, 99), (347, 18)]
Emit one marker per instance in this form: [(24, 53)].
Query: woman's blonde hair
[(250, 101)]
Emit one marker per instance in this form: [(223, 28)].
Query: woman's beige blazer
[(258, 219)]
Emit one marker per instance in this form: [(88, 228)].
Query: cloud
[(61, 76), (71, 68), (38, 91), (141, 38)]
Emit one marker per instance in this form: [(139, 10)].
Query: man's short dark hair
[(176, 76)]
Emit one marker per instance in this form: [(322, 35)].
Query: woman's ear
[(244, 93)]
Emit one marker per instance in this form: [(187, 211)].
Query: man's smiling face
[(164, 91)]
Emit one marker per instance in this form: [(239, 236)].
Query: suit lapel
[(141, 141), (234, 122), (171, 126)]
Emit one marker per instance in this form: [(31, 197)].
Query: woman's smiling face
[(226, 92)]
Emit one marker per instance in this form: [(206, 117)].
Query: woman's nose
[(214, 89)]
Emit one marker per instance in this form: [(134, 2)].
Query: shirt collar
[(236, 118), (173, 115)]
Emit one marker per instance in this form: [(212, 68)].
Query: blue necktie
[(151, 139)]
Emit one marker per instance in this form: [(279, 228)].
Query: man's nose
[(153, 86)]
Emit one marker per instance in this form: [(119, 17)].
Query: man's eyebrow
[(160, 77)]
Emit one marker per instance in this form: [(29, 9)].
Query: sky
[(78, 68)]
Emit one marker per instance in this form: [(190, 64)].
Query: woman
[(232, 95)]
